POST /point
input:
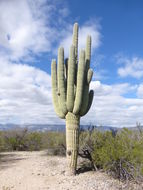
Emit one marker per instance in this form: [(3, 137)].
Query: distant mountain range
[(48, 127)]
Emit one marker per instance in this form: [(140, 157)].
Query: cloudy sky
[(31, 32)]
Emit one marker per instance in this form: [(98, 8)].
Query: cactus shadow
[(84, 167), (84, 170)]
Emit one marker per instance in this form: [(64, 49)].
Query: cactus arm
[(80, 83), (88, 78), (55, 90), (88, 50), (75, 40), (61, 81), (66, 68), (75, 44), (85, 100), (91, 95), (70, 81), (90, 99), (86, 94)]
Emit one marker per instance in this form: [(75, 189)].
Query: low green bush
[(23, 140), (55, 142), (119, 154), (34, 141), (1, 142), (15, 139)]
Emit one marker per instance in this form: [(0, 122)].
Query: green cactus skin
[(61, 81), (70, 80), (55, 90), (88, 73), (70, 92), (75, 41), (80, 83), (72, 140)]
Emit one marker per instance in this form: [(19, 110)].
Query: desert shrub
[(1, 141), (20, 139), (86, 146), (15, 139), (125, 158), (55, 142), (119, 154), (34, 141)]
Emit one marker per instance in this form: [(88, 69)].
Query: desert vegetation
[(19, 139), (118, 153)]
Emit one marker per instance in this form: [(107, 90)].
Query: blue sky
[(31, 32)]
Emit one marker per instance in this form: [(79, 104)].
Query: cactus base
[(72, 141)]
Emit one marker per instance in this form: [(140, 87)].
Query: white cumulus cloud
[(25, 95), (131, 67), (30, 27), (111, 108)]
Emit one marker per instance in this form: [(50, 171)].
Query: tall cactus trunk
[(72, 141)]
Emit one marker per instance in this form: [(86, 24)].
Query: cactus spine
[(70, 92)]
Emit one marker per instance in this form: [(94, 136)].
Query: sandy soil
[(37, 171)]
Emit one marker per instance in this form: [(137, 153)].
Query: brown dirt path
[(37, 171)]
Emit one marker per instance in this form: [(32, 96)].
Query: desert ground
[(38, 171)]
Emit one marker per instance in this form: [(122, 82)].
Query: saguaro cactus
[(70, 90)]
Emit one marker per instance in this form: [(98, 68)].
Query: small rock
[(63, 172)]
